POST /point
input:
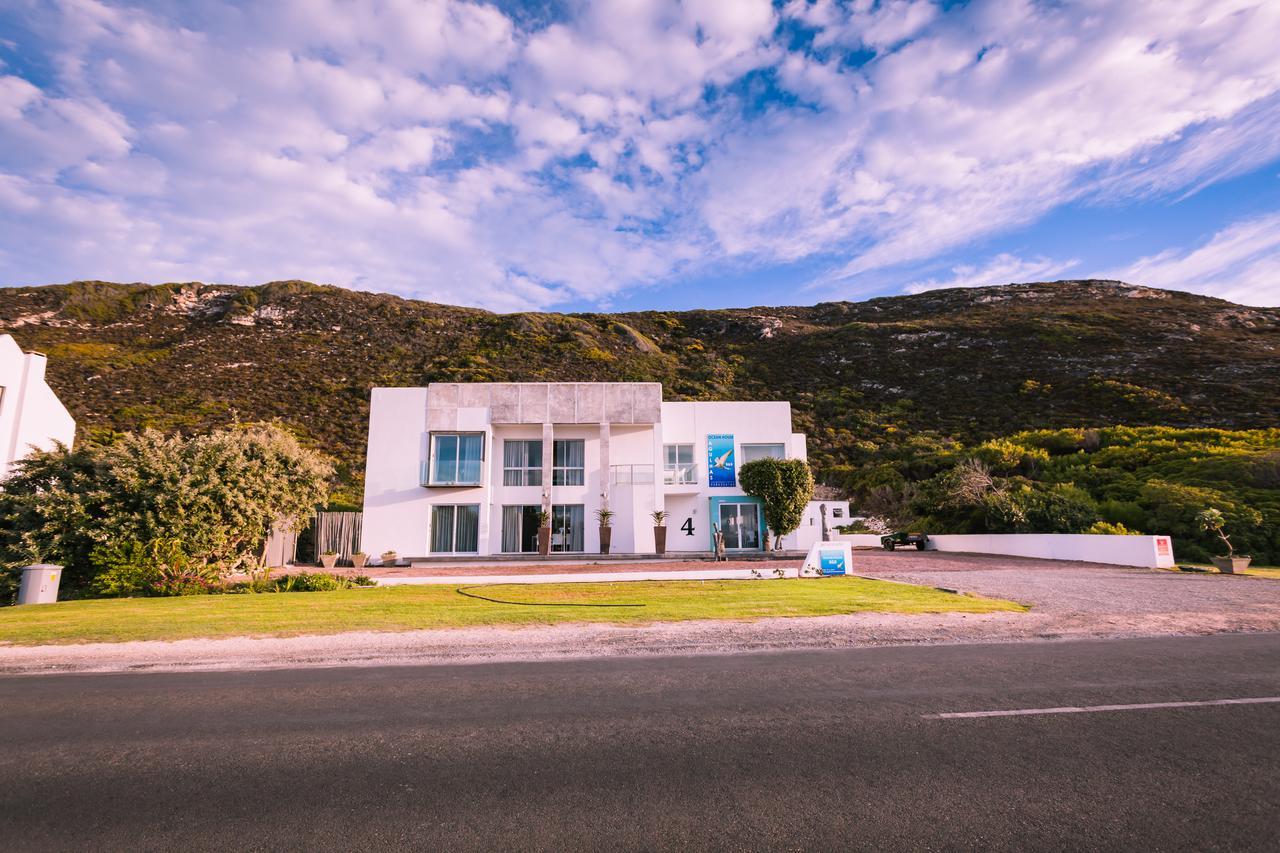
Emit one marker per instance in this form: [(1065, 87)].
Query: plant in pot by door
[(359, 559), (659, 531), (329, 559), (390, 558), (1212, 521), (605, 517), (544, 532)]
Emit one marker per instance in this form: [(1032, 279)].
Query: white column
[(604, 465), (548, 450)]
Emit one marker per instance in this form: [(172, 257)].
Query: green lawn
[(405, 608)]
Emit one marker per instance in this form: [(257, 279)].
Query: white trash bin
[(39, 584)]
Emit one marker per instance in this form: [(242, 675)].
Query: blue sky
[(632, 154)]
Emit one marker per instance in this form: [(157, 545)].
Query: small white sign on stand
[(828, 559)]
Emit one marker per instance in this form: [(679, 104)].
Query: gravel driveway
[(1072, 598), (1069, 601)]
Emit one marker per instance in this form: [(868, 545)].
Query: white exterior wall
[(31, 415), (397, 507), (1146, 551)]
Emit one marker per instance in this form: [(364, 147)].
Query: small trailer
[(893, 540)]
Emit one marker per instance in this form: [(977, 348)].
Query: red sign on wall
[(1162, 546)]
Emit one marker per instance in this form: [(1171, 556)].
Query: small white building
[(465, 469), (31, 415)]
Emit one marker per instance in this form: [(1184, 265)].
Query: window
[(566, 527), (837, 512), (456, 458), (677, 465), (567, 461), (752, 452), (455, 528), (522, 462)]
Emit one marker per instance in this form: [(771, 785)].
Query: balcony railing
[(631, 475), (680, 475), (468, 479)]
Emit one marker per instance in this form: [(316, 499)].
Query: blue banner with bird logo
[(721, 465)]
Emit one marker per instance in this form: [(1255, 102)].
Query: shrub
[(1108, 529), (785, 486), (216, 494), (158, 567)]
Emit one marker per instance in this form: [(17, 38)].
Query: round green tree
[(784, 485)]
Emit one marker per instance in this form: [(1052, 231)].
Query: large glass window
[(677, 466), (455, 528), (568, 462), (752, 452), (522, 462), (567, 527), (456, 458)]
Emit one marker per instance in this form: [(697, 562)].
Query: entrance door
[(740, 524)]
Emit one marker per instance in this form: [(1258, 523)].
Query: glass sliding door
[(455, 529), (567, 526), (520, 529), (740, 524)]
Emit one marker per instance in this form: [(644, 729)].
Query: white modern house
[(464, 469), (31, 415)]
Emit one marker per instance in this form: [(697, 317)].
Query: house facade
[(31, 415), (465, 469)]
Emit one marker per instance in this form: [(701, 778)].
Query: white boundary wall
[(1147, 551), (858, 540)]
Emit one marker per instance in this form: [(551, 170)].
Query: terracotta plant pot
[(660, 540), (389, 558), (606, 538), (1231, 565), (544, 541), (328, 561), (359, 561)]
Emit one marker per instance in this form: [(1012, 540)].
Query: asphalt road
[(795, 750)]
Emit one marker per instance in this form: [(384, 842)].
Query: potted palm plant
[(659, 531), (1212, 521), (544, 532), (329, 559), (605, 517)]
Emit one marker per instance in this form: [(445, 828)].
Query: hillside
[(968, 364)]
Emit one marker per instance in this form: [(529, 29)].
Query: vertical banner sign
[(721, 466)]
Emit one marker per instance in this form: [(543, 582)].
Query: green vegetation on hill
[(900, 375), (1115, 479)]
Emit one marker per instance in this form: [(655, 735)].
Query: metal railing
[(631, 475), (680, 475)]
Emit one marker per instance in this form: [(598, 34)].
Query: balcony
[(631, 475), (680, 475)]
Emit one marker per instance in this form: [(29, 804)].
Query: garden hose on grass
[(462, 590)]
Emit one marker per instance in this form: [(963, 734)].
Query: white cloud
[(1240, 263), (1002, 269), (441, 149)]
